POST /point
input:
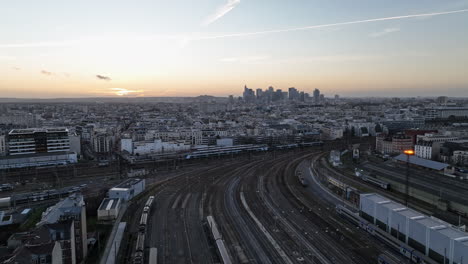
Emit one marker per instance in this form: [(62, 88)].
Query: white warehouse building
[(431, 236), (127, 189)]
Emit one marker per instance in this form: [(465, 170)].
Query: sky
[(56, 48)]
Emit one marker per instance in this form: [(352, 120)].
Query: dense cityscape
[(76, 173)]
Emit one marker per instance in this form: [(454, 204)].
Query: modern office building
[(38, 140), (316, 96)]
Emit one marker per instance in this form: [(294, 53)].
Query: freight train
[(138, 257)]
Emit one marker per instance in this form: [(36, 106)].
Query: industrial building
[(127, 189), (109, 209), (431, 236)]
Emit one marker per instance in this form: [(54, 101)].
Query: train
[(302, 180), (377, 182), (138, 257), (217, 237), (22, 199), (206, 152), (367, 178), (6, 187), (222, 151)]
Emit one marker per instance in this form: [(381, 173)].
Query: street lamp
[(408, 153)]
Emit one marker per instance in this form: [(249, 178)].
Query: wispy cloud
[(384, 32), (104, 78), (221, 11), (48, 73), (185, 38), (16, 68), (333, 24)]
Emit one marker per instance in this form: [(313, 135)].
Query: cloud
[(125, 92), (186, 38), (221, 11), (16, 68), (104, 78), (244, 34), (48, 73), (384, 32)]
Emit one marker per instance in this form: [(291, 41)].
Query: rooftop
[(128, 183), (109, 203), (37, 130), (422, 162), (70, 205)]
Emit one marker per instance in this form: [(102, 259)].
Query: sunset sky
[(57, 48)]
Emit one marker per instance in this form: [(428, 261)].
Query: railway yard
[(283, 206), (263, 212)]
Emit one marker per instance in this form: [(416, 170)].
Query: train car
[(222, 151), (311, 144), (377, 182), (148, 204), (143, 221), (385, 259), (153, 256), (303, 182), (139, 249), (222, 250), (411, 254), (337, 183), (5, 202)]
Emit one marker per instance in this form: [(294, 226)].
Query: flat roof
[(109, 203), (409, 213), (452, 233), (429, 222), (37, 130), (376, 198), (119, 189), (128, 183), (393, 205), (422, 162)]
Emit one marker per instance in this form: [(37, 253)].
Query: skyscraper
[(316, 96), (293, 94)]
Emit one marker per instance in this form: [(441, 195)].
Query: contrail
[(331, 25), (189, 37)]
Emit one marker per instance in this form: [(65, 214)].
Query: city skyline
[(53, 50)]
